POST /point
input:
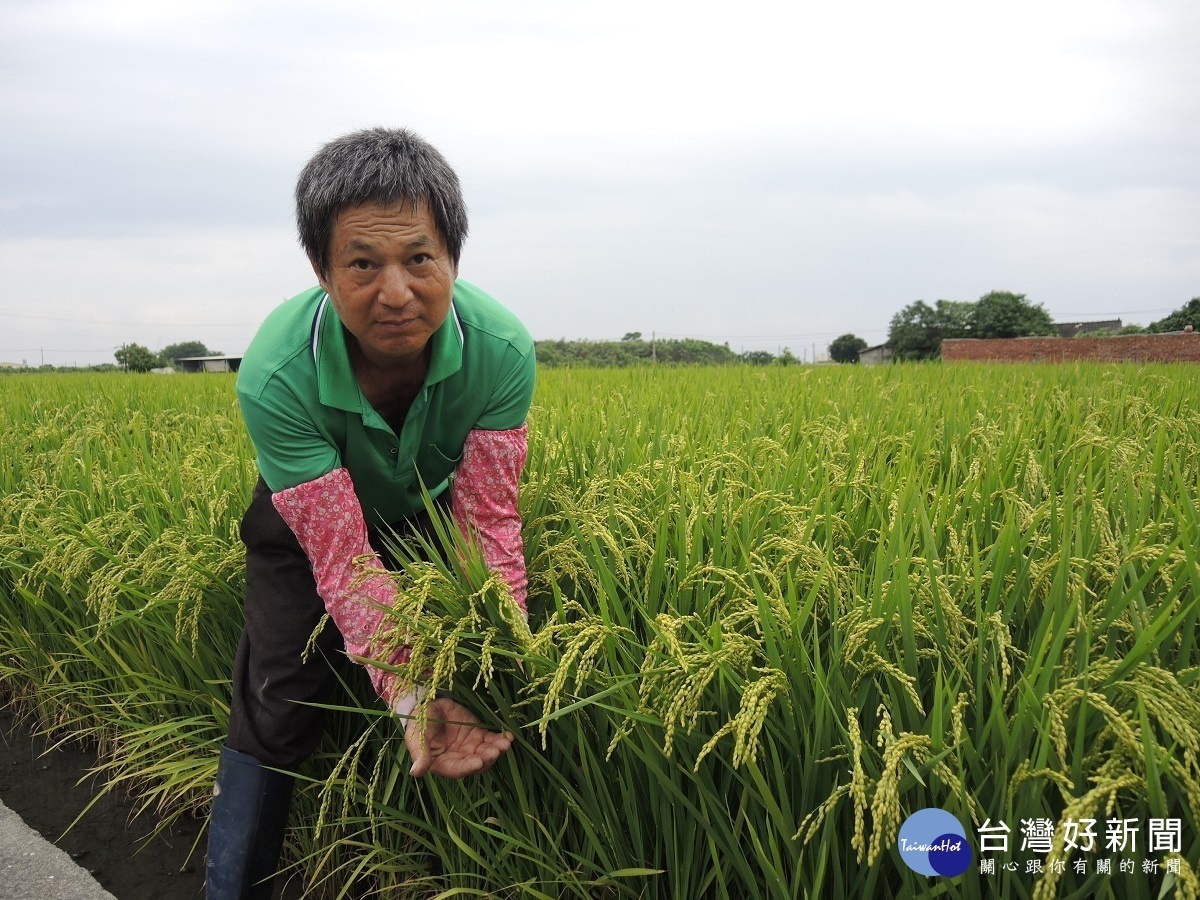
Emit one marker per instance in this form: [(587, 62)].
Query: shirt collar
[(447, 349), (336, 384)]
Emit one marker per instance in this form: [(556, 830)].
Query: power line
[(56, 350), (148, 324), (769, 337), (1124, 312)]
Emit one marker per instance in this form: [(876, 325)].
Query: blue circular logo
[(933, 843)]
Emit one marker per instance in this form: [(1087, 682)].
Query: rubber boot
[(245, 832)]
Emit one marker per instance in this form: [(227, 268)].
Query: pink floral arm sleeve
[(327, 519), (484, 500)]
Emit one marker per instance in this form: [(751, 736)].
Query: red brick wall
[(1120, 348)]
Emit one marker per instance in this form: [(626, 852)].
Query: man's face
[(390, 279)]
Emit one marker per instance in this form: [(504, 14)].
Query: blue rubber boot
[(245, 831)]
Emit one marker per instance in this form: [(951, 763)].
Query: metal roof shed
[(209, 363)]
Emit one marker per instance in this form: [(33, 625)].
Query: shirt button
[(394, 451)]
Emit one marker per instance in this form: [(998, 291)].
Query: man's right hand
[(454, 744)]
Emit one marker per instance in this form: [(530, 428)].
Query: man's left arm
[(484, 492), (484, 501)]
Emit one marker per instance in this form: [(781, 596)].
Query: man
[(388, 376)]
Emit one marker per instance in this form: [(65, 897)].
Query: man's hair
[(377, 165)]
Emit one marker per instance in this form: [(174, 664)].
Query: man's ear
[(320, 277)]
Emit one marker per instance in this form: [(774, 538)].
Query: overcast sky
[(766, 174)]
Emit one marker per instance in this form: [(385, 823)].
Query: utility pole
[(653, 347)]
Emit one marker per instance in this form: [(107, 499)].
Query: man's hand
[(455, 745)]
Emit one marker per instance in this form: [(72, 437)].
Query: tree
[(632, 336), (1188, 314), (913, 333), (954, 318), (632, 351), (917, 331), (846, 348), (136, 358), (172, 353), (1108, 332), (1003, 314), (757, 358)]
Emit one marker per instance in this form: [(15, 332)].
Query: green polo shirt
[(307, 415)]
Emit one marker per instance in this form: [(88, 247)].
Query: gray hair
[(377, 165)]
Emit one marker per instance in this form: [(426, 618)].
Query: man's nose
[(395, 286)]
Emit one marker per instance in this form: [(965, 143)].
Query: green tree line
[(136, 358), (917, 331), (632, 350)]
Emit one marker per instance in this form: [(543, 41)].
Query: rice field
[(773, 612)]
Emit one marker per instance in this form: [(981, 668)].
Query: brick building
[(1175, 347)]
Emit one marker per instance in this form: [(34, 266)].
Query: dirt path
[(42, 788)]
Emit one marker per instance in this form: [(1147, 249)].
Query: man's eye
[(421, 259), (361, 264)]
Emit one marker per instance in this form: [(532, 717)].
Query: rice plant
[(772, 613)]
